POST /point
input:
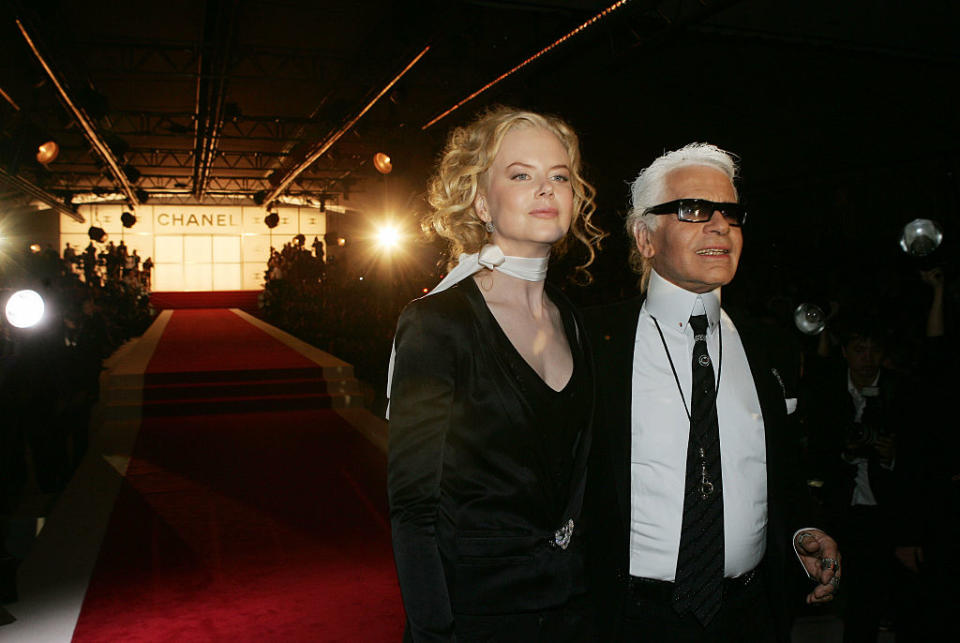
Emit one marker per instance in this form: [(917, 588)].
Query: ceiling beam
[(82, 119), (21, 184), (559, 41), (211, 91), (321, 147)]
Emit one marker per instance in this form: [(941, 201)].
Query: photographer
[(853, 410)]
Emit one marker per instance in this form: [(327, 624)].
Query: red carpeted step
[(245, 299), (218, 340), (248, 404), (241, 375), (243, 388), (247, 525)]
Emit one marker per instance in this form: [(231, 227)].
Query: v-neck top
[(561, 414)]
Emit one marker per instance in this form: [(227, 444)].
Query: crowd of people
[(337, 304), (109, 262), (50, 373)]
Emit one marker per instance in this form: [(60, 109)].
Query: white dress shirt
[(661, 428), (862, 492)]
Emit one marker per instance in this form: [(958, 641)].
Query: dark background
[(844, 114)]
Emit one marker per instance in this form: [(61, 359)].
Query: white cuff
[(793, 543)]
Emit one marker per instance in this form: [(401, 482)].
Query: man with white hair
[(692, 496)]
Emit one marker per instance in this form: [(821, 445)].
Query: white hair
[(648, 189)]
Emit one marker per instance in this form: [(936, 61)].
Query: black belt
[(651, 589)]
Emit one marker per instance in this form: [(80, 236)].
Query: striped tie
[(699, 578)]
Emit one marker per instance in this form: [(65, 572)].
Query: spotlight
[(259, 197), (382, 162), (142, 195), (272, 220), (127, 219), (48, 152), (132, 173), (323, 205), (388, 237), (24, 309), (809, 319), (341, 241), (96, 233), (920, 237), (35, 248)]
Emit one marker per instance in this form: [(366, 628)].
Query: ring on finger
[(802, 537), (829, 563), (835, 581)]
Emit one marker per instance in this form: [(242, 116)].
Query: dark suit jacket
[(612, 331), (828, 413), (473, 504)]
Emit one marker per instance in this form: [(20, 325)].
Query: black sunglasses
[(701, 211)]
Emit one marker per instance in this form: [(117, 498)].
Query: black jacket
[(612, 330), (473, 506)]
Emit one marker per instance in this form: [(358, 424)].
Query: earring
[(489, 226)]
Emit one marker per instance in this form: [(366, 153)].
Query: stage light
[(809, 319), (425, 291), (96, 233), (272, 220), (128, 219), (920, 237), (382, 162), (35, 248), (24, 309), (341, 241), (388, 237), (48, 152)]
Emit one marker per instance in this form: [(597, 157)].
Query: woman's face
[(528, 194)]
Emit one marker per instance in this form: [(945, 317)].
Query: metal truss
[(180, 124), (75, 180), (211, 92), (23, 186), (179, 59), (153, 160)]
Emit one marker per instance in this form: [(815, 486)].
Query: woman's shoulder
[(447, 309)]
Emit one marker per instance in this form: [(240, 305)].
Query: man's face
[(695, 256), (864, 357)]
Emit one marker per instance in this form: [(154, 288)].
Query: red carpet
[(261, 526), (244, 299)]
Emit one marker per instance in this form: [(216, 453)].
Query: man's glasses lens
[(701, 211)]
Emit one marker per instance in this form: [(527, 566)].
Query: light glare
[(24, 309), (388, 237)]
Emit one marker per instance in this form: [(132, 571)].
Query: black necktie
[(699, 579)]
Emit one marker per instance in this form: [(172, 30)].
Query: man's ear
[(644, 240)]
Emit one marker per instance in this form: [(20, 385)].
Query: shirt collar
[(853, 389), (672, 305)]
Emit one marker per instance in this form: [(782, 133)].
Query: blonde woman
[(491, 396)]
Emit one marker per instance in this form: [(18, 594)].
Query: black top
[(486, 462), (561, 414)]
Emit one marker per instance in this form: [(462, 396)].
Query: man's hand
[(885, 448), (821, 558), (932, 277), (910, 557)]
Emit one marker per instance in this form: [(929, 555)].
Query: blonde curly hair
[(469, 153)]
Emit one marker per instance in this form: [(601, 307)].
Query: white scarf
[(492, 257)]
